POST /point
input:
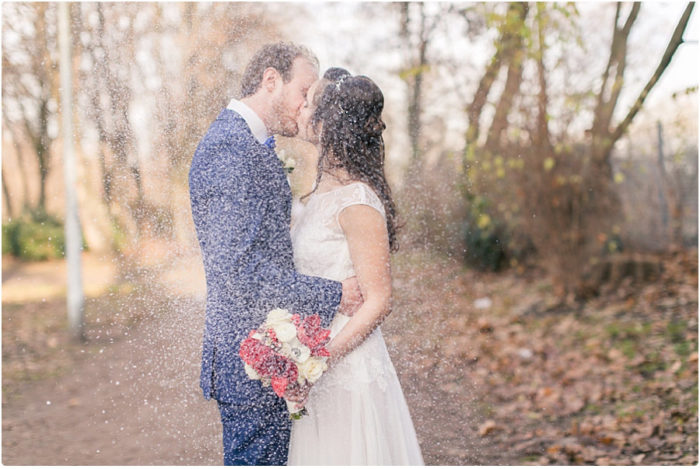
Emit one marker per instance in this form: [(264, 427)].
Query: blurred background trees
[(519, 134)]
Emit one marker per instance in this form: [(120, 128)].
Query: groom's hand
[(352, 298)]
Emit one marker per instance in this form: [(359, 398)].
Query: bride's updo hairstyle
[(349, 118)]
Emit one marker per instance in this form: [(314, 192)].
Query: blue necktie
[(270, 142)]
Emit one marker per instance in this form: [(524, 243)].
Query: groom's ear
[(270, 78)]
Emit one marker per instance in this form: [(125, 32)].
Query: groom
[(241, 204)]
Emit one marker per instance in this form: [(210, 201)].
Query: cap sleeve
[(359, 193)]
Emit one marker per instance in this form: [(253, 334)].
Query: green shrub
[(7, 247), (484, 248), (485, 237), (34, 236), (119, 237)]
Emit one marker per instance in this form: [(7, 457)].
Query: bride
[(345, 227)]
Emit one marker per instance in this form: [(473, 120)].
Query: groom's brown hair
[(279, 56)]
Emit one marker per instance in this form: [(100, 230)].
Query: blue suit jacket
[(241, 206)]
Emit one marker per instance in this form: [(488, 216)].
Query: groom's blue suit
[(241, 205)]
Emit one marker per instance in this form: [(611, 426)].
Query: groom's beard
[(288, 126)]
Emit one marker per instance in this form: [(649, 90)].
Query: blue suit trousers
[(255, 435)]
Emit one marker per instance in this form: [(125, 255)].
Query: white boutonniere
[(288, 163)]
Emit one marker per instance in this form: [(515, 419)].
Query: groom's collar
[(257, 126)]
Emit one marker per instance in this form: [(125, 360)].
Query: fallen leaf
[(675, 367), (489, 427)]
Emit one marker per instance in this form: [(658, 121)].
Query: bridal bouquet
[(286, 350)]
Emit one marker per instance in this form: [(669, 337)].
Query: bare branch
[(676, 40)]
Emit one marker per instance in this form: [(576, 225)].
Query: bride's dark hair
[(349, 117)]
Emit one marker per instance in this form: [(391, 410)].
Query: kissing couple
[(331, 260)]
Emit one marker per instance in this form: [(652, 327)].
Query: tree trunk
[(610, 92), (663, 179), (516, 55), (49, 90), (42, 152), (6, 194), (97, 81), (414, 78), (542, 137), (482, 92), (415, 107), (507, 47), (19, 154), (40, 143), (121, 137)]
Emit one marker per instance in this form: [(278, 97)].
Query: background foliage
[(517, 134)]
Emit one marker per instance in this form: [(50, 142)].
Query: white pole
[(75, 298)]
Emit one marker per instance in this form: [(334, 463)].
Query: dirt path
[(137, 401)]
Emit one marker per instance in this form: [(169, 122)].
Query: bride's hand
[(297, 393), (352, 298)]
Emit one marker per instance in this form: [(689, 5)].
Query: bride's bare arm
[(368, 241)]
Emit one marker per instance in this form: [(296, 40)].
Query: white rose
[(280, 321), (252, 374), (285, 332), (313, 368), (299, 353), (278, 315)]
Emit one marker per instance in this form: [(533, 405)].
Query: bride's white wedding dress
[(357, 414)]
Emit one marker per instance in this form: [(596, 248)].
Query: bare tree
[(92, 80), (566, 185), (612, 80), (179, 63), (508, 53), (20, 156), (6, 196), (514, 55), (673, 44), (30, 80), (416, 40), (542, 135)]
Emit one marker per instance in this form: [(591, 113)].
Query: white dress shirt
[(257, 126)]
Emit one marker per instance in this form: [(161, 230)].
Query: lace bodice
[(320, 246)]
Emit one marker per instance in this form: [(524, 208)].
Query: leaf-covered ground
[(494, 370), (613, 380)]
